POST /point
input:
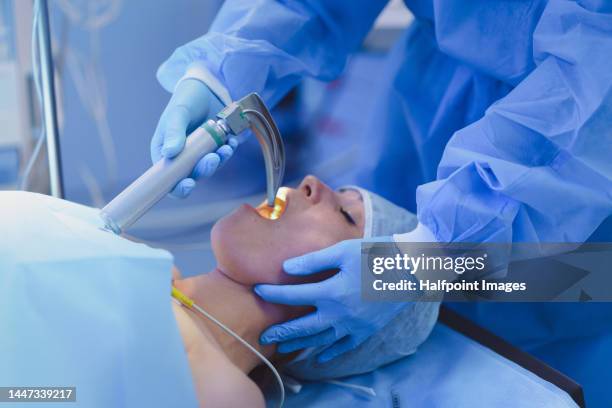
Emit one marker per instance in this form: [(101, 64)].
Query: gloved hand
[(342, 321), (192, 103)]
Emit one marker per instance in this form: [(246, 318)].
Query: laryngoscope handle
[(161, 178)]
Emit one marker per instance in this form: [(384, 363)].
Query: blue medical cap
[(402, 335), (382, 217)]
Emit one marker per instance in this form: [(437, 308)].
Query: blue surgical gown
[(494, 120)]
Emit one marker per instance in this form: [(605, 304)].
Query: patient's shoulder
[(226, 386)]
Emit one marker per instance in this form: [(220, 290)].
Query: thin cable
[(190, 304)]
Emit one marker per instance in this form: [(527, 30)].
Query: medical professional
[(494, 123)]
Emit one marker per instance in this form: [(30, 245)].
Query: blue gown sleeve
[(499, 34), (266, 46), (538, 166)]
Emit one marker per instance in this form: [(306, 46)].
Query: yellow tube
[(181, 297), (190, 304)]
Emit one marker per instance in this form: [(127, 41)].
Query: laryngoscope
[(249, 112)]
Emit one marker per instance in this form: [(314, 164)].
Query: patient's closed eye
[(347, 216)]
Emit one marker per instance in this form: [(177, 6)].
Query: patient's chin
[(242, 259), (240, 227)]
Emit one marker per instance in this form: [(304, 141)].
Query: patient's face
[(251, 249)]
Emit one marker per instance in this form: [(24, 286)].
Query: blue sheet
[(448, 370), (82, 307)]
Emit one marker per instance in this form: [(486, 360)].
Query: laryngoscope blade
[(249, 112)]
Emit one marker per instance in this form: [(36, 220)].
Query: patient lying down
[(250, 249)]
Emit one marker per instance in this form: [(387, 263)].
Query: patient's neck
[(236, 306)]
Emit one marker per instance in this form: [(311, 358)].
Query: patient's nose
[(311, 187)]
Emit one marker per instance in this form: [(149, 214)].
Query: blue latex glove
[(191, 105), (342, 320)]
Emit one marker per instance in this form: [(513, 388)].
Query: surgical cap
[(402, 335), (383, 218)]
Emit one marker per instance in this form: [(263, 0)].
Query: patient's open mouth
[(280, 205)]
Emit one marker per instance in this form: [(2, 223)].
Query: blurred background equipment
[(44, 82), (17, 119), (106, 54)]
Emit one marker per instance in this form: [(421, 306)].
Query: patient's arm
[(218, 382)]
